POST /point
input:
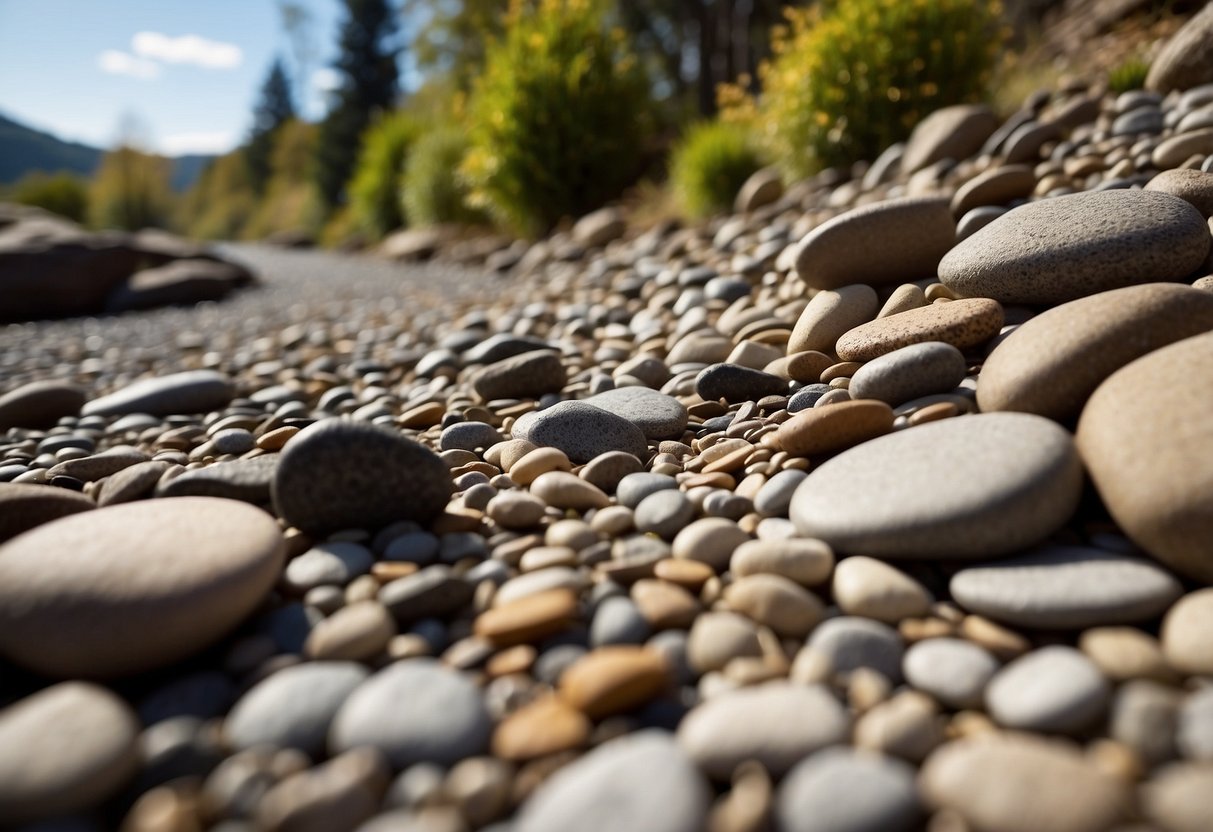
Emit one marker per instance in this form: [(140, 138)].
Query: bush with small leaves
[(434, 192), (375, 187), (848, 79), (710, 164), (560, 117), (60, 193)]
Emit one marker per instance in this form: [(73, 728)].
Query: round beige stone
[(64, 749), (614, 679), (546, 726), (807, 562), (1145, 437), (1186, 632), (874, 589), (996, 186), (25, 506), (829, 314), (961, 323), (1051, 364), (710, 540), (1124, 653), (823, 430), (134, 587), (774, 601)]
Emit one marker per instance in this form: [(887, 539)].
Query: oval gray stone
[(414, 711), (40, 404), (1055, 689), (778, 724), (582, 431), (1066, 587), (64, 749), (851, 642), (26, 506), (248, 480), (194, 391), (640, 781), (952, 670), (293, 707), (1056, 250), (1012, 480), (658, 415), (910, 372), (847, 790), (524, 376), (337, 475)]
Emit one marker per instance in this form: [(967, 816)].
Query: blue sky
[(187, 72)]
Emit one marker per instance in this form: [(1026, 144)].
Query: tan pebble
[(839, 370), (1005, 644), (811, 667), (1116, 759), (822, 430), (805, 367), (277, 438), (516, 510), (807, 562), (933, 413), (517, 659), (543, 557), (710, 540), (874, 589), (564, 490), (665, 605), (753, 354), (995, 186), (546, 726), (730, 462), (408, 646), (867, 688), (718, 637), (355, 632), (422, 416), (746, 671), (527, 468), (612, 520), (908, 726), (528, 619), (386, 571), (713, 480), (776, 602), (829, 314), (920, 629), (614, 679), (689, 574), (722, 448), (747, 805), (480, 787), (971, 724), (962, 323), (1185, 634), (1124, 653), (905, 297)]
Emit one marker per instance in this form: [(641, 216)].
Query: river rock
[(26, 506), (1051, 364), (1143, 438), (996, 186), (873, 589), (64, 749), (641, 781), (851, 642), (1066, 587), (338, 475), (1053, 689), (40, 404), (133, 587), (1013, 479), (952, 670), (249, 480), (955, 132), (778, 724), (582, 431), (194, 391), (1185, 60), (829, 314), (1177, 797), (849, 791), (1193, 186), (735, 383), (961, 323), (524, 376), (888, 242), (658, 415), (1055, 250), (911, 372), (1185, 632), (414, 711)]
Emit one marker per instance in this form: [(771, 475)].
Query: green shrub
[(220, 203), (433, 191), (375, 187), (130, 191), (559, 119), (848, 79), (60, 193), (710, 164), (1129, 75)]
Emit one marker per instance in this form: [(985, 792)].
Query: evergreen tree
[(369, 75), (274, 108)]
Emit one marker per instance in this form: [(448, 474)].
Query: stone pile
[(884, 504)]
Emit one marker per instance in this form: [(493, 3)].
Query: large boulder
[(1187, 59), (178, 283)]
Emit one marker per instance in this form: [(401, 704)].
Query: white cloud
[(326, 79), (123, 63), (187, 49), (213, 143)]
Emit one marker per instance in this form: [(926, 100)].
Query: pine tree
[(274, 108), (369, 76)]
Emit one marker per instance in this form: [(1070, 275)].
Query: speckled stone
[(883, 243), (194, 391), (1193, 186), (414, 711), (1056, 250), (735, 383), (524, 376), (40, 404), (1013, 479), (961, 323), (641, 781), (829, 314), (64, 749), (338, 475), (249, 480), (1051, 364), (133, 587), (996, 186), (954, 671), (582, 431), (910, 372), (848, 790), (25, 506), (658, 415), (1055, 689), (1066, 587), (1019, 783), (955, 132), (778, 724), (294, 707), (1144, 438)]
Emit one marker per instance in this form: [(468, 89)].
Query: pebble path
[(882, 504)]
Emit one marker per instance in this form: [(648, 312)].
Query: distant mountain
[(24, 149)]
